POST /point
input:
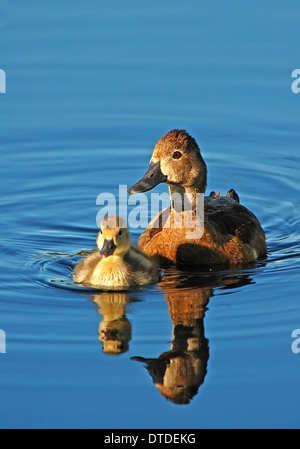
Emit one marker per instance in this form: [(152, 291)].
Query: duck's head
[(114, 237), (177, 161)]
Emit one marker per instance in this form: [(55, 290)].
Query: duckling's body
[(231, 233), (131, 270), (117, 264)]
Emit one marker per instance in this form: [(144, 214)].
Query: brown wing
[(229, 218)]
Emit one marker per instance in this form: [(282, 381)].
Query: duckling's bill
[(108, 248)]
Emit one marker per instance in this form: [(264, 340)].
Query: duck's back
[(232, 235)]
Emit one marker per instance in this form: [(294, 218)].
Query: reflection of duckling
[(117, 264), (115, 328)]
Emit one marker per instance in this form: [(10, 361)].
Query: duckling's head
[(177, 161), (114, 237)]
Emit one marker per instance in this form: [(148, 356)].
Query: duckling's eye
[(120, 232), (100, 231), (177, 155)]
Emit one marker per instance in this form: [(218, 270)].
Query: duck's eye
[(120, 233), (177, 155), (100, 231)]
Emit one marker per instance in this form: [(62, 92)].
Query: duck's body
[(231, 234), (117, 264)]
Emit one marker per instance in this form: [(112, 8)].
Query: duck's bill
[(152, 178), (108, 248)]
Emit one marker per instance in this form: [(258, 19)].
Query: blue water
[(91, 86)]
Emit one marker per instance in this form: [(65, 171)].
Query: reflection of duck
[(115, 328), (232, 234), (179, 372), (117, 264)]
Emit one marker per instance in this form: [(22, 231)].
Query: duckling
[(232, 234), (117, 264)]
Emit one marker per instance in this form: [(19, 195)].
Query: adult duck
[(231, 234)]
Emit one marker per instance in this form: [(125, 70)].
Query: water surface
[(90, 89)]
